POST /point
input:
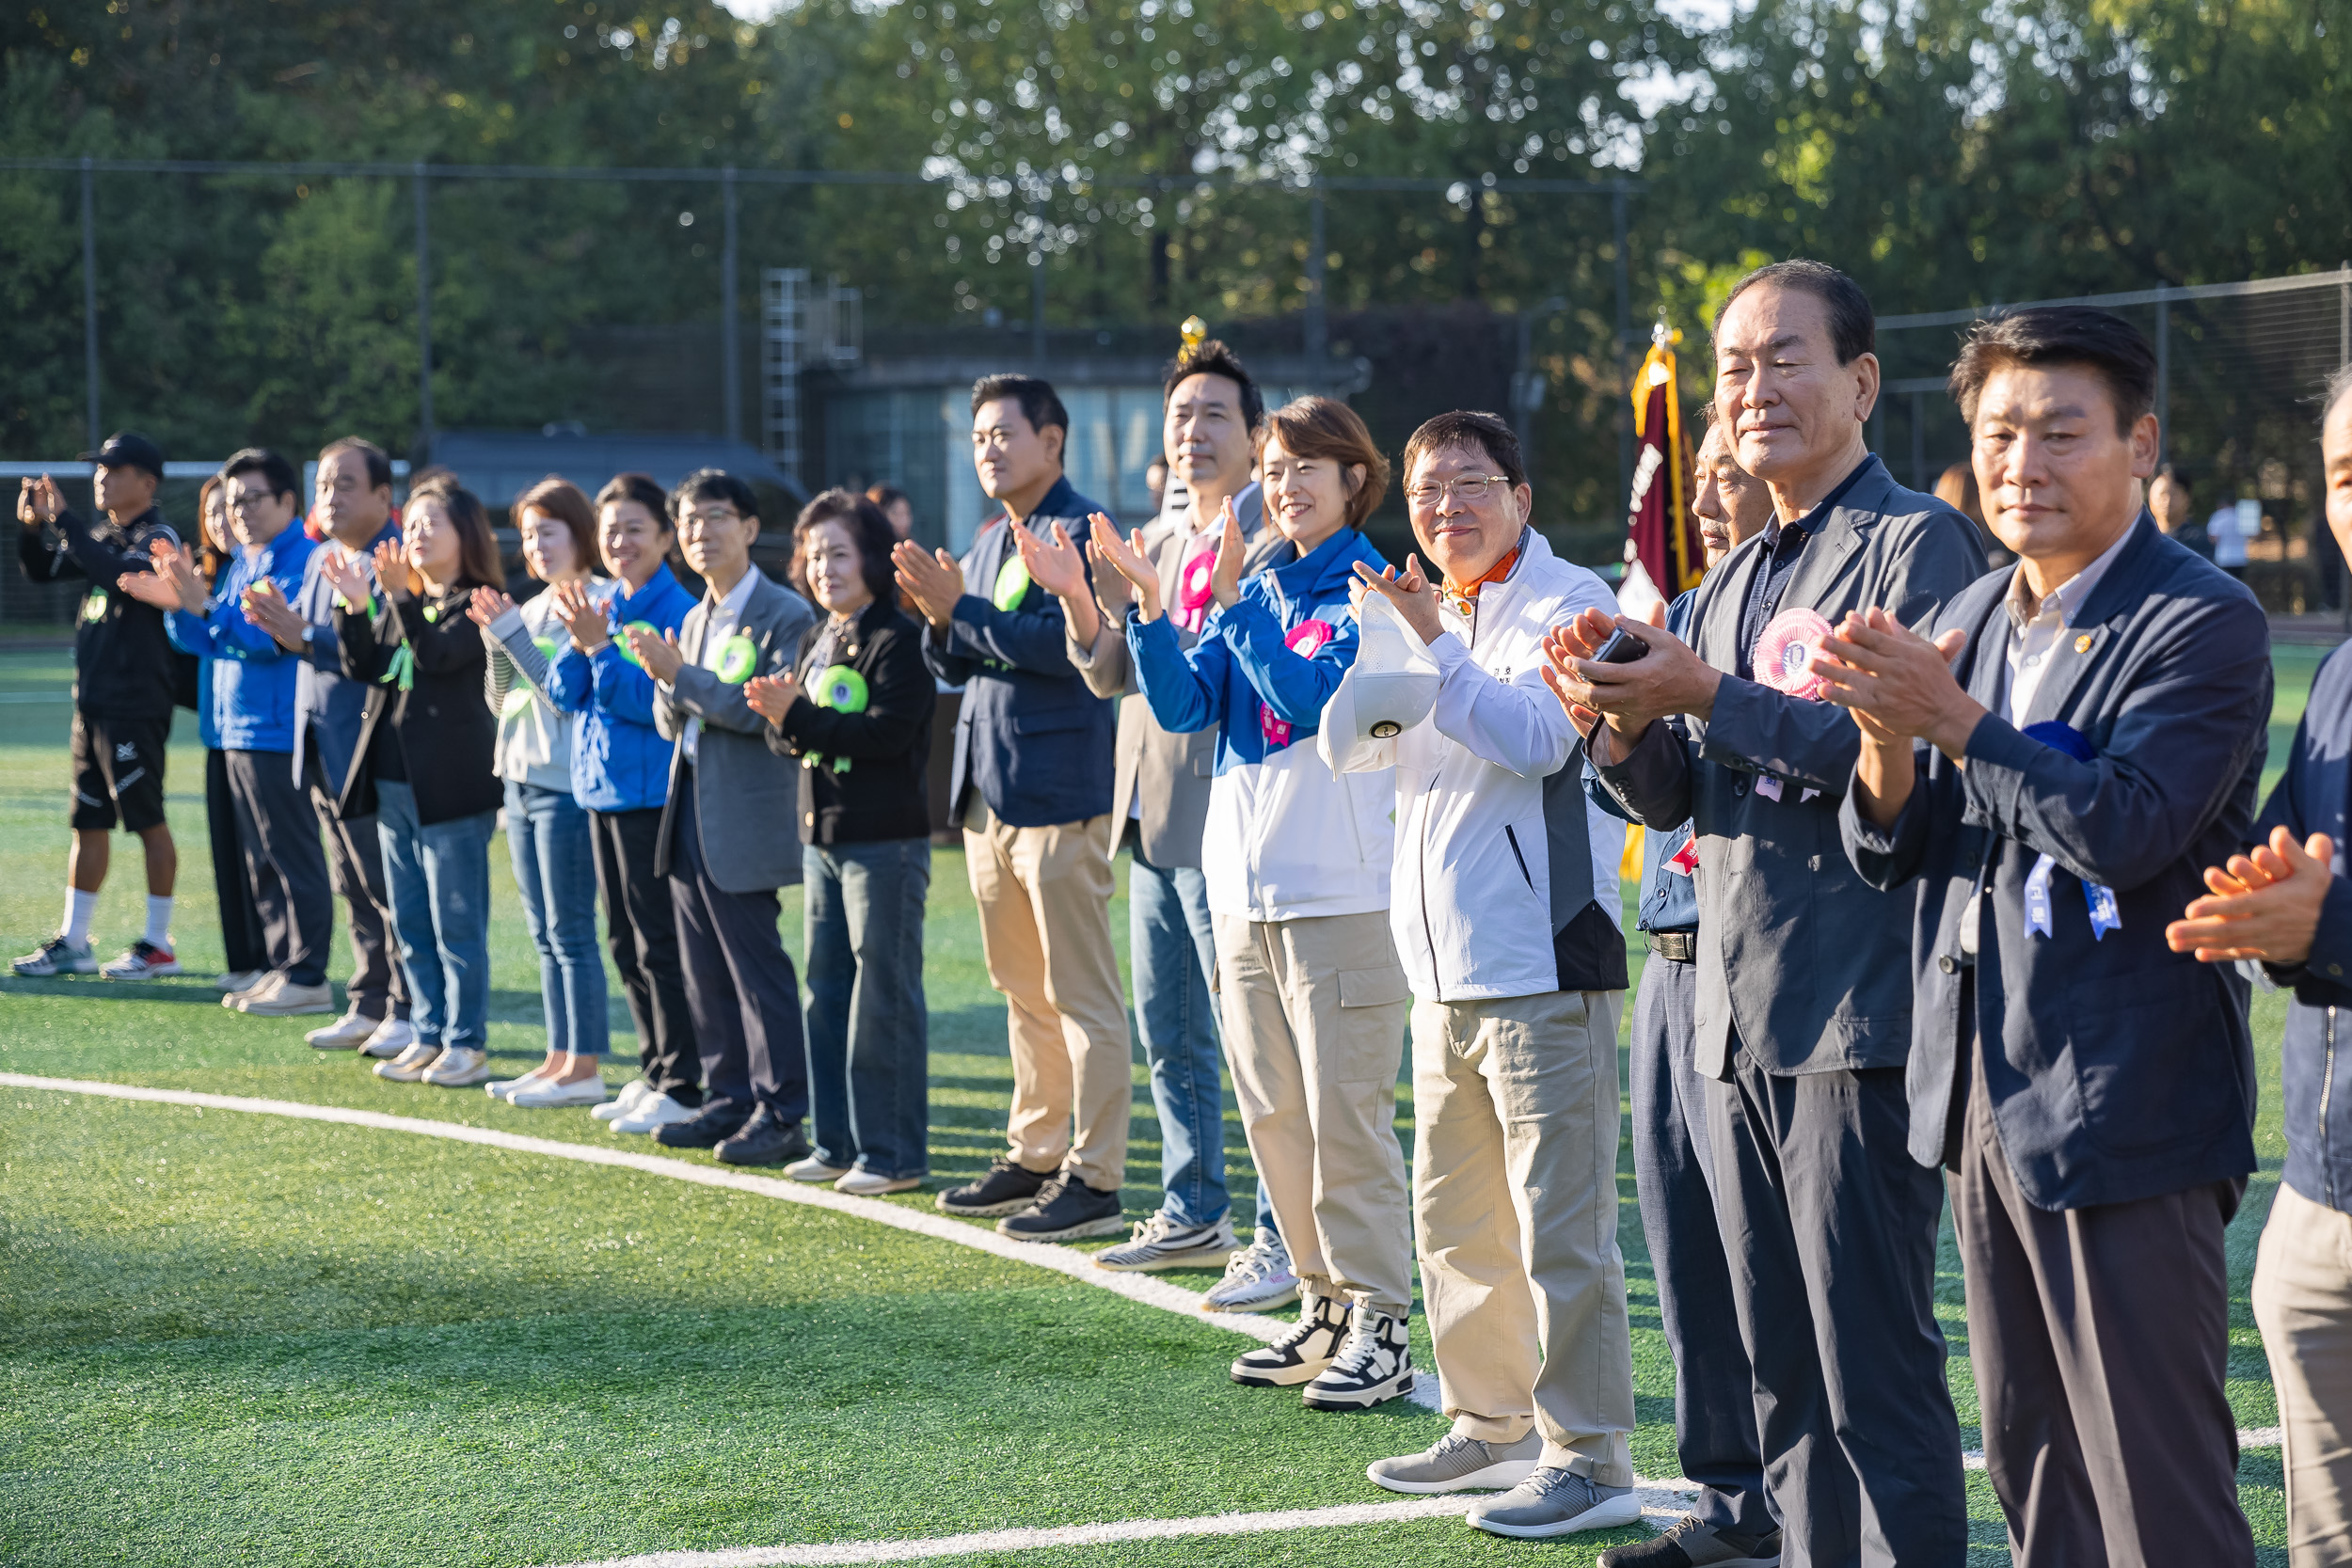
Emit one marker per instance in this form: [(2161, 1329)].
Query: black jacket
[(125, 664), (864, 745), (447, 737)]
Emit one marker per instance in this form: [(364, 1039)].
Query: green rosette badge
[(840, 689), (94, 607), (621, 643), (1012, 584), (738, 656)]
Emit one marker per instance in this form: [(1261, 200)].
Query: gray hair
[(2339, 385)]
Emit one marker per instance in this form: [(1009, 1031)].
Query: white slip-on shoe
[(288, 1000), (813, 1169), (658, 1109), (458, 1067), (347, 1033), (392, 1037), (547, 1092), (867, 1183), (238, 979), (632, 1095), (234, 1001), (506, 1088), (410, 1064)]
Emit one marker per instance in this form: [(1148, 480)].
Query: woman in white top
[(547, 830)]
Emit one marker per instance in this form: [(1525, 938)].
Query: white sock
[(79, 909), (159, 922)]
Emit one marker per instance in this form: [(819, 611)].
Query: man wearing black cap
[(123, 692)]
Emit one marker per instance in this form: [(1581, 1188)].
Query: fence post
[(2164, 371), (90, 294), (424, 320), (1037, 277), (1625, 334), (730, 344), (1318, 324), (1918, 441)]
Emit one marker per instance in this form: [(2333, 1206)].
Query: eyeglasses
[(1469, 489)]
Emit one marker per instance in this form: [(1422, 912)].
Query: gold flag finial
[(1193, 330)]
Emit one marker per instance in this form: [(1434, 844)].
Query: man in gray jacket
[(1160, 803), (726, 844), (1803, 990)]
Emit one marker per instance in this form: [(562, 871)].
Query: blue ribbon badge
[(2105, 915)]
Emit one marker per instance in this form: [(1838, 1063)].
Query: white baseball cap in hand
[(1390, 687)]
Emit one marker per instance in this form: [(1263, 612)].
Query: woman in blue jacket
[(1297, 866), (244, 951), (621, 774)]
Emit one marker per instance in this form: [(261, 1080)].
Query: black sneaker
[(766, 1139), (1689, 1544), (710, 1126), (1374, 1363), (1066, 1208), (1007, 1189), (1301, 1353)]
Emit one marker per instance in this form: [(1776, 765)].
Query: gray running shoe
[(1258, 1278), (1689, 1544), (1160, 1243), (1460, 1464), (1555, 1502)]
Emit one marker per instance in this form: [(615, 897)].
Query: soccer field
[(246, 1336)]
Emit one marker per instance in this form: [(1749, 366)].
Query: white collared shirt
[(2038, 628), (720, 620)]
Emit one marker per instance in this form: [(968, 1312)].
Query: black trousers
[(1714, 1390), (2101, 1341), (740, 983), (283, 863), (640, 927), (241, 944), (1829, 1229), (379, 986)]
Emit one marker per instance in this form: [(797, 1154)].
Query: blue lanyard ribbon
[(2104, 914)]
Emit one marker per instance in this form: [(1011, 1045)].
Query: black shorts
[(119, 767)]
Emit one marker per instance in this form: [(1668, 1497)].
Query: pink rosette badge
[(1303, 639), (1785, 652), (1196, 588)]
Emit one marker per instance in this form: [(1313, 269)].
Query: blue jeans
[(555, 871), (439, 880), (868, 1028), (1171, 947)]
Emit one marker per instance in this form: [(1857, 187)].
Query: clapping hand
[(581, 616), (38, 501), (2265, 904), (486, 605), (346, 571), (657, 656), (267, 609), (771, 696), (1224, 577), (1054, 562), (1896, 683), (392, 569), (1408, 591), (933, 578), (1126, 558), (166, 587)]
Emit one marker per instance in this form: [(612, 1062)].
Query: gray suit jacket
[(747, 799), (1170, 772), (1798, 956)]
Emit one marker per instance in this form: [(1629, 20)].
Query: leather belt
[(1680, 946)]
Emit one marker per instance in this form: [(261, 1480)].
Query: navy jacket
[(1030, 737), (1670, 898), (2315, 1066), (330, 708), (2117, 1070)]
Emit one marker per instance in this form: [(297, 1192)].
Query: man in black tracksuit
[(124, 689)]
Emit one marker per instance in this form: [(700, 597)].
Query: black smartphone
[(1623, 647)]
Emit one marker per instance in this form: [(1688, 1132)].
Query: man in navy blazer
[(2055, 790), (1031, 789)]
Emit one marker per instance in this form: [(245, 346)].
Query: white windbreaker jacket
[(1498, 849)]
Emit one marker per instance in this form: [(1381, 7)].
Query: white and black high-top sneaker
[(1375, 1363), (1304, 1351)]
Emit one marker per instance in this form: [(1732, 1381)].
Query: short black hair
[(1040, 403), (869, 530), (279, 473), (1488, 432), (1852, 324), (379, 462), (2060, 335), (641, 488), (714, 485), (1212, 357)]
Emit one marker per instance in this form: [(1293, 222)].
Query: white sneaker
[(632, 1095), (655, 1110), (347, 1033), (867, 1183), (239, 979), (143, 960), (458, 1067), (1258, 1278), (57, 957), (588, 1091), (506, 1088), (392, 1037), (269, 981), (288, 1000), (410, 1064), (813, 1169)]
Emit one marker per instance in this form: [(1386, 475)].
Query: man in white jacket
[(1504, 912)]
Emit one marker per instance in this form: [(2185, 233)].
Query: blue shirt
[(252, 693), (619, 760)]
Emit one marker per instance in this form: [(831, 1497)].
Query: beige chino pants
[(2303, 1301), (1514, 1198), (1044, 896), (1315, 1028)]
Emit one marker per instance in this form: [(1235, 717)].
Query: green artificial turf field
[(242, 1338)]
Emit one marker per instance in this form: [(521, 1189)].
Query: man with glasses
[(1031, 789), (1804, 992), (1504, 908)]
